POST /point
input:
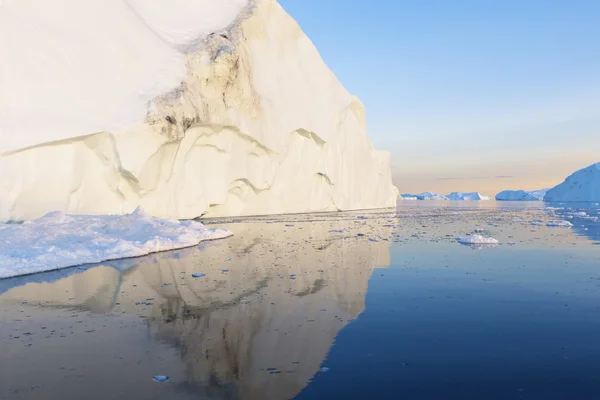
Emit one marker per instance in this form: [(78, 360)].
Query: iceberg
[(466, 196), (477, 240), (187, 108), (583, 185), (423, 196), (408, 196), (59, 240), (521, 195), (559, 224)]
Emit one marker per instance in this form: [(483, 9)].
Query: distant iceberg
[(583, 185), (423, 196), (466, 196), (408, 196), (59, 240), (521, 195)]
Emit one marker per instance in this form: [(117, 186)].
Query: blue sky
[(469, 94)]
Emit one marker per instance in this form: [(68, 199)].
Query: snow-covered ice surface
[(466, 196), (583, 185), (58, 240), (521, 195)]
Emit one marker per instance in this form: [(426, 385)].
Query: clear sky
[(470, 95)]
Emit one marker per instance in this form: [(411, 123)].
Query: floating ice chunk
[(160, 378), (560, 224), (198, 275), (477, 239), (59, 240), (324, 369)]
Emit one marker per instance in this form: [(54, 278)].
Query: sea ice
[(560, 224), (59, 240), (477, 239)]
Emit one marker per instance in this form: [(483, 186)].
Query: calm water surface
[(367, 305)]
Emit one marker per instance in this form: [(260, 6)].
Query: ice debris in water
[(59, 240), (324, 369), (198, 275), (160, 378), (477, 239), (560, 224)]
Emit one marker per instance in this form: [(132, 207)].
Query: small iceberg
[(477, 239), (559, 224), (59, 240), (160, 378), (521, 195), (467, 196)]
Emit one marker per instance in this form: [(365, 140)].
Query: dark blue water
[(444, 323)]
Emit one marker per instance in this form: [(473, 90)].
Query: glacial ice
[(466, 196), (423, 196), (521, 195), (476, 239), (187, 108), (59, 240), (559, 224), (583, 185)]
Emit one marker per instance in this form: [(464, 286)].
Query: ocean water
[(381, 304)]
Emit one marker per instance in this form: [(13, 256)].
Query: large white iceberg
[(521, 195), (583, 185), (466, 196), (185, 107), (58, 240)]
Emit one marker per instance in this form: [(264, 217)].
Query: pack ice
[(185, 107)]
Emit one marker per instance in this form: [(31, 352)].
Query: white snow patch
[(59, 240), (477, 239)]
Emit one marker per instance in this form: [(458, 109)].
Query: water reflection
[(262, 320), (583, 216)]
